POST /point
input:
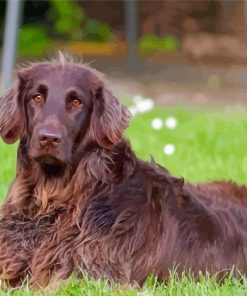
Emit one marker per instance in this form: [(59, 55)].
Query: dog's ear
[(109, 118), (11, 115)]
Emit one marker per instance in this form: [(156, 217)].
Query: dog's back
[(211, 228)]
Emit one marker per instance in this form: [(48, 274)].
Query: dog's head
[(58, 108)]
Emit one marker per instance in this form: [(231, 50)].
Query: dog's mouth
[(51, 165), (48, 160)]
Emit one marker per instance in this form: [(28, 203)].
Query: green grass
[(185, 286), (208, 145)]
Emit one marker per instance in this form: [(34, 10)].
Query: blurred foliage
[(73, 24), (64, 20), (97, 31), (68, 16), (33, 41), (150, 42)]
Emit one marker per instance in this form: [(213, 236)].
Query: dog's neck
[(96, 169)]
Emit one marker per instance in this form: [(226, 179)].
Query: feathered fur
[(109, 213)]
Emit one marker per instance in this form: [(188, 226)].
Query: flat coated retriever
[(82, 201)]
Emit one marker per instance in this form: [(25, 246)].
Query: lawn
[(205, 145)]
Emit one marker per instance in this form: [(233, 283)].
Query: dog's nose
[(49, 137)]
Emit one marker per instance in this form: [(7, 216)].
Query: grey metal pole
[(12, 21), (131, 27)]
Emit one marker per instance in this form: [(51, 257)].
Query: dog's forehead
[(63, 75)]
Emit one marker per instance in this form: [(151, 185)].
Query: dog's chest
[(31, 232)]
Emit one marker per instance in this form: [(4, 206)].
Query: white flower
[(144, 293), (157, 123), (133, 110), (137, 99), (145, 105), (171, 122), (169, 149)]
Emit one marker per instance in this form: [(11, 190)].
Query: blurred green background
[(48, 22)]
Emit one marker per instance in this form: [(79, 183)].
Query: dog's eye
[(76, 103), (38, 99)]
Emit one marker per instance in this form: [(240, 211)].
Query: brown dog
[(82, 201)]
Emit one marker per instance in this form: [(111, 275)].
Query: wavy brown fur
[(109, 213)]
